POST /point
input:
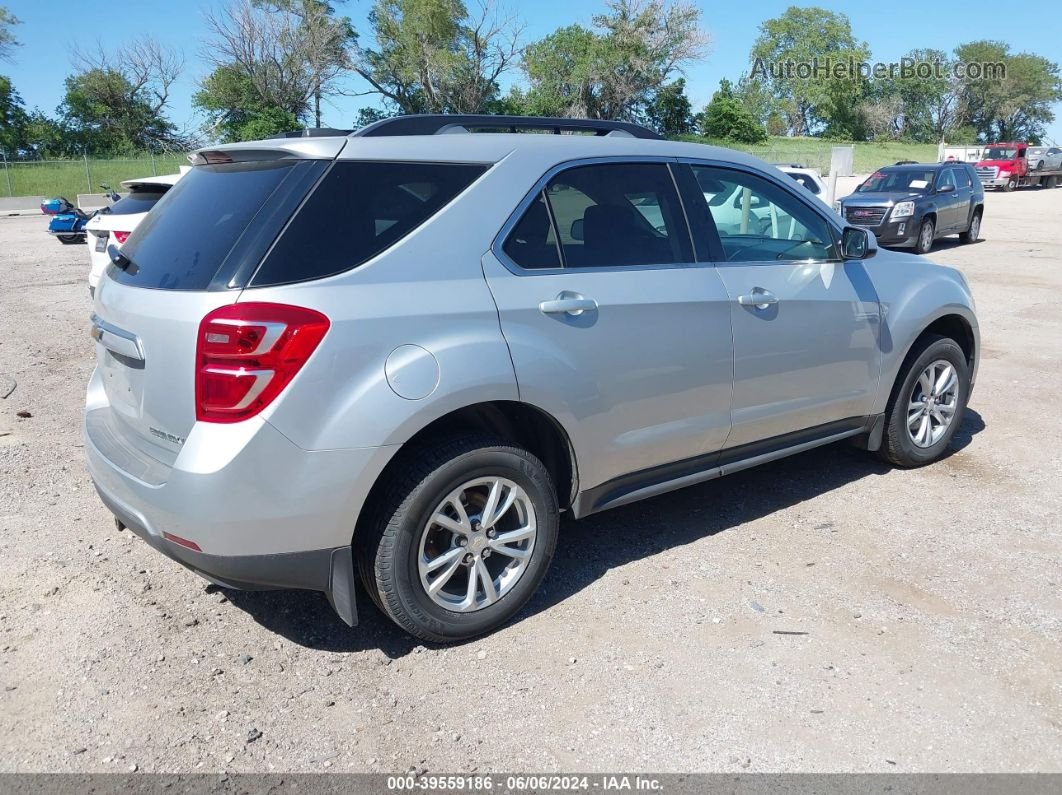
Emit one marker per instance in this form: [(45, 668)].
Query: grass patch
[(815, 152), (68, 177)]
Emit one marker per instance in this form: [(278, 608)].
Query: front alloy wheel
[(933, 404), (927, 402), (926, 233)]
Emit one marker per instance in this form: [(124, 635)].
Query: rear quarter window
[(359, 209), (200, 220)]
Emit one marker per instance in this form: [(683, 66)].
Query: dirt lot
[(930, 599)]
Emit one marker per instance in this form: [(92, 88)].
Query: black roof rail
[(441, 123), (313, 132)]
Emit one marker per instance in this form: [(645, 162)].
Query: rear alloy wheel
[(972, 235), (927, 403), (926, 233), (462, 540)]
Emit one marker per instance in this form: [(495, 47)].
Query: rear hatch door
[(192, 254)]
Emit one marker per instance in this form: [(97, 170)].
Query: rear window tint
[(138, 201), (200, 220), (358, 210)]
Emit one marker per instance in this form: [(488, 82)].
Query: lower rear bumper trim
[(328, 570)]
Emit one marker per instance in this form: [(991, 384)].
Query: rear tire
[(926, 234), (67, 240), (434, 557), (927, 403), (972, 235)]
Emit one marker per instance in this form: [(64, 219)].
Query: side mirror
[(949, 188), (858, 243), (577, 229)]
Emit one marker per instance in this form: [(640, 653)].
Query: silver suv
[(403, 353)]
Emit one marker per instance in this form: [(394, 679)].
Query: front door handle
[(758, 298), (567, 304)]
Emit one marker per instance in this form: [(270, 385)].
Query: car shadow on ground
[(589, 548)]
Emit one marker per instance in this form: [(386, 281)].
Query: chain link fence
[(71, 177)]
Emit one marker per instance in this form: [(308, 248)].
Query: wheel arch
[(950, 323), (519, 423)]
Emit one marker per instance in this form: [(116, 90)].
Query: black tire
[(1040, 166), (973, 232), (897, 447), (67, 240), (924, 243), (1011, 185), (387, 554)]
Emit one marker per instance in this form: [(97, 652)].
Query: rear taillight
[(247, 353), (120, 237)]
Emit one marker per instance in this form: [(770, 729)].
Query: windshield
[(907, 180), (999, 153)]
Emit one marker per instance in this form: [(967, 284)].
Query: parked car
[(1044, 158), (299, 383), (914, 205), (113, 225), (810, 178)]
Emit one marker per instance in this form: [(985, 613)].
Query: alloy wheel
[(933, 403), (477, 544)]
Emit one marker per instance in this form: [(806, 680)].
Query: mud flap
[(341, 586)]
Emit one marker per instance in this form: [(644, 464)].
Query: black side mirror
[(858, 243)]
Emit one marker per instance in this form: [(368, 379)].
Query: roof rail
[(312, 132), (442, 123)]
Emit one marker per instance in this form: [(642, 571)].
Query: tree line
[(275, 65)]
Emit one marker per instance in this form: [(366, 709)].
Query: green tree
[(1016, 106), (784, 56), (725, 118), (8, 42), (294, 53), (669, 111), (235, 110), (617, 69), (12, 118), (433, 56)]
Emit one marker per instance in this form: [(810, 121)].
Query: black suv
[(913, 204)]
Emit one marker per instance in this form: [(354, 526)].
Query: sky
[(50, 30)]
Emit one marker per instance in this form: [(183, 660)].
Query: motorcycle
[(68, 222)]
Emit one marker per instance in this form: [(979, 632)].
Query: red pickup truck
[(1004, 166)]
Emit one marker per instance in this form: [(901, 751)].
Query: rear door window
[(360, 209), (618, 214)]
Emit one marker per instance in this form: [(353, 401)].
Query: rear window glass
[(359, 209), (138, 201), (200, 219)]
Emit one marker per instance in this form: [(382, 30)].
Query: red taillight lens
[(120, 237), (247, 353)]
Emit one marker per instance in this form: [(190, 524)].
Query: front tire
[(462, 538), (926, 234), (927, 403), (1011, 185), (68, 240)]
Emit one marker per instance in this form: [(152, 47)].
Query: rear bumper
[(265, 513), (328, 570)]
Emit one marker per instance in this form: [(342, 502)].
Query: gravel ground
[(928, 601)]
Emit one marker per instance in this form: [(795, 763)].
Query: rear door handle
[(567, 304), (116, 340), (758, 298)]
